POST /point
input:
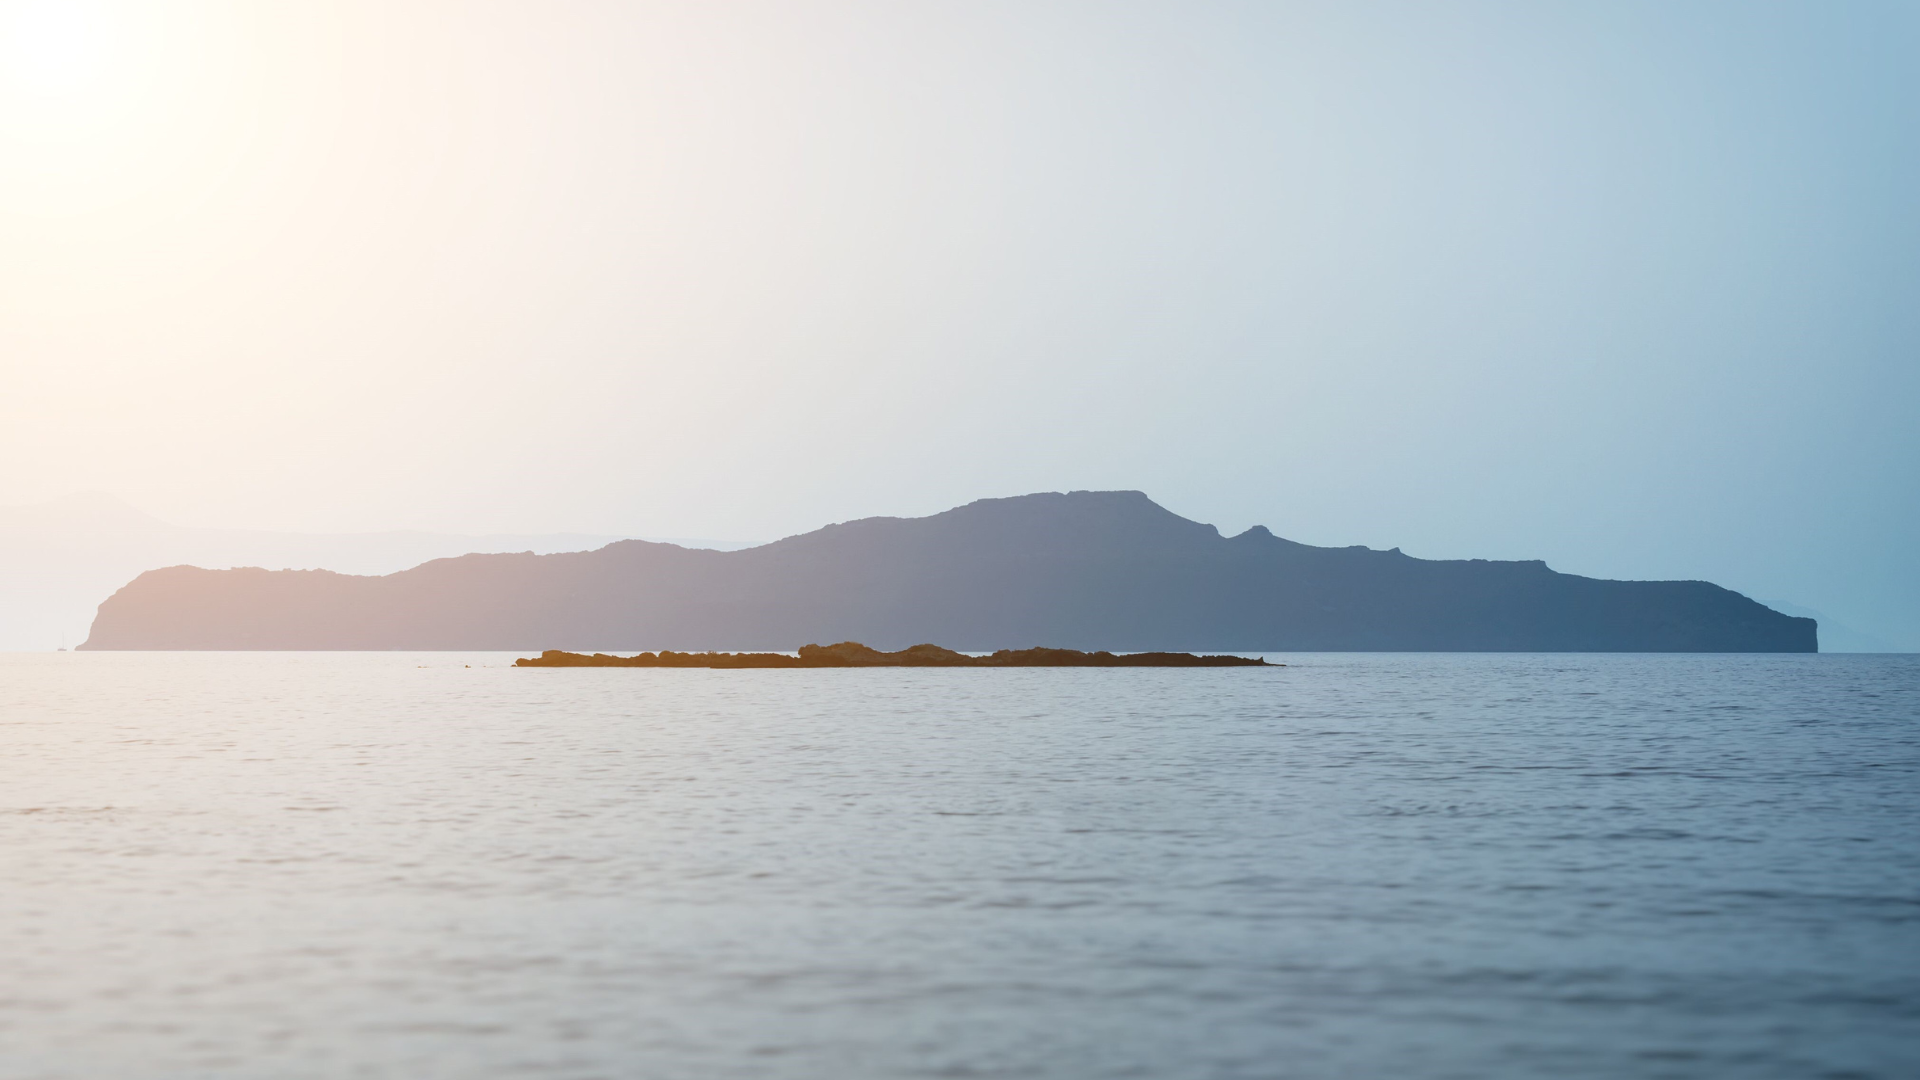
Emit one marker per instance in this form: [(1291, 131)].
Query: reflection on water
[(292, 865)]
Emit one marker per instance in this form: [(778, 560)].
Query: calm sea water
[(353, 865)]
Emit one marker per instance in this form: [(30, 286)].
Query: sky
[(1631, 288)]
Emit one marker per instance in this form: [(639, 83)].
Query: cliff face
[(1086, 570)]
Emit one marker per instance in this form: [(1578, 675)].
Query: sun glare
[(55, 49)]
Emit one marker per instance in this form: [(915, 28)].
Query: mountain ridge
[(1083, 570)]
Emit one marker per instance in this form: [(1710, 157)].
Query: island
[(1094, 570), (850, 654)]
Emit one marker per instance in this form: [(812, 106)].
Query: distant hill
[(57, 559), (1086, 570)]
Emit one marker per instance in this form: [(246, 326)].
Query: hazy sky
[(1631, 288)]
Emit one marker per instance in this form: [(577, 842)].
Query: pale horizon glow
[(1627, 288), (57, 49)]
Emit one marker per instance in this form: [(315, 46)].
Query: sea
[(262, 865)]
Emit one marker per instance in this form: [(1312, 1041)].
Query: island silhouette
[(853, 654), (1093, 570)]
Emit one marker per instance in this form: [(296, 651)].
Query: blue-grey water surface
[(353, 865)]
